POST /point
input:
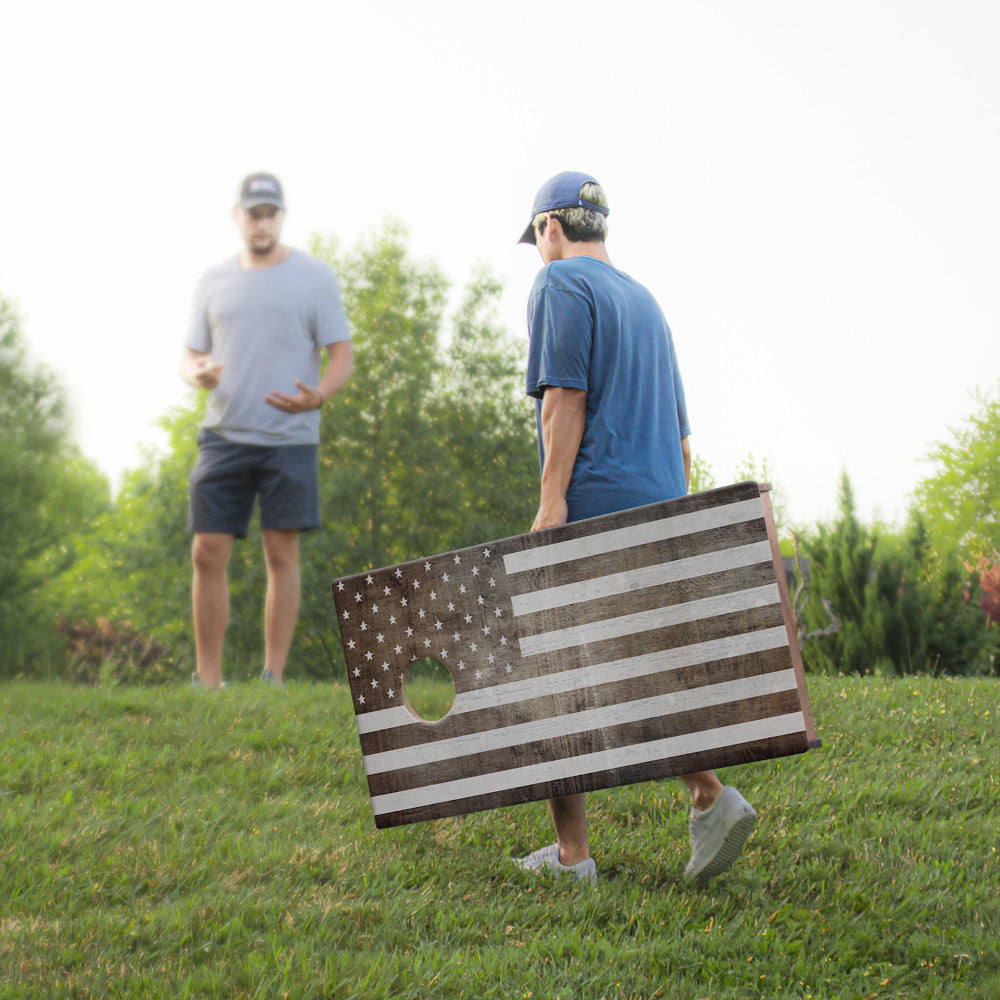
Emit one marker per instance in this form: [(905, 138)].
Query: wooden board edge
[(786, 607)]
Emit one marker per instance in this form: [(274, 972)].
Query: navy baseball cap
[(261, 189), (561, 191)]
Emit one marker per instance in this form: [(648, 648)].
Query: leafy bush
[(902, 606), (115, 652)]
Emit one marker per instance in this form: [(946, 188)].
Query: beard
[(264, 248)]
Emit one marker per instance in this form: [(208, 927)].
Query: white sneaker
[(718, 835), (548, 858)]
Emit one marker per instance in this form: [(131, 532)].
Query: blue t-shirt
[(594, 328)]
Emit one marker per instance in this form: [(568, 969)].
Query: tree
[(703, 478), (490, 440), (961, 501), (379, 457), (49, 492), (750, 471)]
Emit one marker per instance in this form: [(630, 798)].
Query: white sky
[(812, 191)]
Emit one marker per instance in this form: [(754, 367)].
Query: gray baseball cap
[(261, 189)]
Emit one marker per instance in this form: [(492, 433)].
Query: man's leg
[(570, 855), (210, 602), (704, 787), (569, 817), (281, 612)]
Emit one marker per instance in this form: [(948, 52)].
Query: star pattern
[(452, 607)]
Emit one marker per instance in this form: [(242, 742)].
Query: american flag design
[(652, 642)]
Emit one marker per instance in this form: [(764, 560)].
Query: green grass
[(172, 843)]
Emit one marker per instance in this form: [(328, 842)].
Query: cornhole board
[(652, 642)]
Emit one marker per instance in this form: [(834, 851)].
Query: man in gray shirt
[(259, 324)]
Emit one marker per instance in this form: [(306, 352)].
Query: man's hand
[(306, 399), (205, 373), (551, 514)]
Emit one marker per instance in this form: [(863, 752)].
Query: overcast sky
[(810, 190)]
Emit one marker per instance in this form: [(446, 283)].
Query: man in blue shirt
[(612, 434)]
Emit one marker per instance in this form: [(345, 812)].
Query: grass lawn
[(173, 843)]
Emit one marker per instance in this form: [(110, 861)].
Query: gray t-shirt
[(267, 328)]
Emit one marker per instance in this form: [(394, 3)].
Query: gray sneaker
[(196, 682), (718, 835), (268, 678), (548, 858)]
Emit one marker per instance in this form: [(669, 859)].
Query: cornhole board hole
[(652, 642)]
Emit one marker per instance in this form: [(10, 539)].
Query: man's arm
[(686, 455), (340, 366), (198, 371), (564, 416)]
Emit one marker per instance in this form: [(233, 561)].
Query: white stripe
[(627, 668), (389, 718), (643, 621), (646, 576), (603, 760), (639, 534), (656, 707)]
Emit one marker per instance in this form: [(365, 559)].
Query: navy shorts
[(229, 476)]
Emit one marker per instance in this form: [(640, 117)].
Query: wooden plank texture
[(638, 645)]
